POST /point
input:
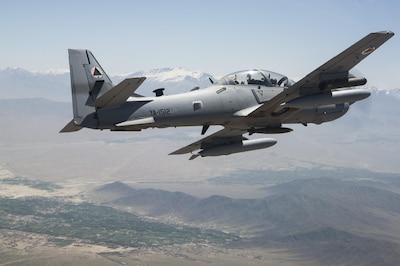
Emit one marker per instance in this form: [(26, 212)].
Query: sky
[(217, 37)]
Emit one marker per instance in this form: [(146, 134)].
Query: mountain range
[(53, 85), (174, 80), (341, 220), (288, 209), (20, 83)]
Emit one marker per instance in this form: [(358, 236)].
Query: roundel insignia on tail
[(368, 50), (96, 73)]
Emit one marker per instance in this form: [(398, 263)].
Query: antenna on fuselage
[(159, 92)]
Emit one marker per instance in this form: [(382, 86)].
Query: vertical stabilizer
[(88, 82)]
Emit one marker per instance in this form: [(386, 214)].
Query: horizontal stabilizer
[(136, 122), (118, 94), (70, 127)]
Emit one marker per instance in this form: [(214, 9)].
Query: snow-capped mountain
[(20, 83), (174, 80), (172, 74)]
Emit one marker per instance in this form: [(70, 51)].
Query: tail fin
[(88, 82)]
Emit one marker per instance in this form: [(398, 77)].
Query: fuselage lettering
[(161, 112)]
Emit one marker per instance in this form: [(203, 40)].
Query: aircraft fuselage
[(215, 105), (250, 101)]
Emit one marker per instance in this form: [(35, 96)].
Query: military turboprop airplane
[(250, 101)]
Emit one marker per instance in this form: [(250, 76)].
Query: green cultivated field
[(92, 224)]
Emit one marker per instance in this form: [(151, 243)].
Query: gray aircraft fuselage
[(215, 105), (249, 101)]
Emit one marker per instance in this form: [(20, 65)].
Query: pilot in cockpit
[(248, 78), (257, 80), (235, 79)]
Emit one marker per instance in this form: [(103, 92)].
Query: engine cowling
[(342, 83), (328, 98)]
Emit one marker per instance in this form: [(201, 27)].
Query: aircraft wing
[(222, 137), (335, 70)]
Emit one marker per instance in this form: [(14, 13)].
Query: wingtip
[(386, 32)]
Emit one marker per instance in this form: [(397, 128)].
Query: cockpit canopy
[(257, 77)]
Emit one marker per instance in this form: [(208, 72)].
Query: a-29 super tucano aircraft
[(251, 101)]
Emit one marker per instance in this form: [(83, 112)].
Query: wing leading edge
[(334, 71), (221, 137), (224, 142)]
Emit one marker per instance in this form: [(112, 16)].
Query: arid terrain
[(21, 245), (302, 220)]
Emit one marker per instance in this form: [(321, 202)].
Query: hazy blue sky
[(218, 37)]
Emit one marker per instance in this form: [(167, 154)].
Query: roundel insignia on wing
[(96, 73), (368, 50)]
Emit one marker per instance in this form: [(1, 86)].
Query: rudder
[(88, 82)]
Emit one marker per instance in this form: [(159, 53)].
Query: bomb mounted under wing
[(250, 101)]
